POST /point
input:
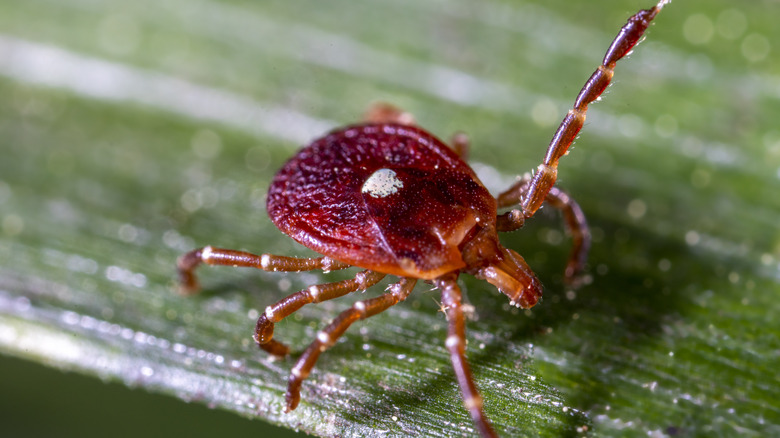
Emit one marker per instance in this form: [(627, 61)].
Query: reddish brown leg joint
[(188, 282), (264, 330), (577, 226), (329, 335), (456, 345), (564, 136), (574, 219), (229, 257)]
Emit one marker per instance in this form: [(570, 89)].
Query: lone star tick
[(391, 198)]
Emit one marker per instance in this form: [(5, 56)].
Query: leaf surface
[(133, 132)]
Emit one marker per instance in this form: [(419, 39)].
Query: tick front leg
[(228, 257), (264, 330), (328, 336), (456, 345), (547, 172), (573, 216)]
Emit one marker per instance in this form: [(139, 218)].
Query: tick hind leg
[(328, 336), (383, 112), (456, 345), (460, 143), (574, 218), (228, 257), (264, 330)]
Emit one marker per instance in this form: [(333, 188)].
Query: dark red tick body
[(391, 198), (386, 197)]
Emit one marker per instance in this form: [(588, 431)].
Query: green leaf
[(131, 132)]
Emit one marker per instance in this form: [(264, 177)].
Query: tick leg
[(456, 345), (546, 173), (573, 217), (460, 143), (228, 257), (577, 227), (382, 112), (328, 336), (264, 330)]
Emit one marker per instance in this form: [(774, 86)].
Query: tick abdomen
[(387, 197)]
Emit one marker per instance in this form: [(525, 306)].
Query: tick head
[(504, 268)]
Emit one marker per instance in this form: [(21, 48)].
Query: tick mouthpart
[(512, 276)]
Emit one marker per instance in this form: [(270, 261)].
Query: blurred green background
[(131, 132)]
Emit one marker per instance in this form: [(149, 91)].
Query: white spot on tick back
[(382, 183)]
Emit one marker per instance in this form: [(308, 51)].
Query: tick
[(392, 199)]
